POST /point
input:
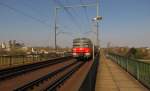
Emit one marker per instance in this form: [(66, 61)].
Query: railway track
[(24, 78), (15, 71), (52, 80)]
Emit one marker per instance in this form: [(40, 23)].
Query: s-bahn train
[(82, 48)]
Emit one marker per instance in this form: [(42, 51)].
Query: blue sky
[(125, 22)]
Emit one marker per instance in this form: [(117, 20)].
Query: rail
[(59, 82), (10, 72), (140, 70), (53, 86)]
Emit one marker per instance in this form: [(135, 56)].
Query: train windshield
[(81, 45), (83, 42)]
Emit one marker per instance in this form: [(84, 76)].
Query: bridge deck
[(111, 77)]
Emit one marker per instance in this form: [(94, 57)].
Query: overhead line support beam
[(76, 6)]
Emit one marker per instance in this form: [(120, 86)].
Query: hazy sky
[(125, 22)]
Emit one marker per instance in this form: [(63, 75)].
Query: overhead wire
[(70, 14), (77, 14), (80, 22), (86, 12), (23, 13), (28, 5), (67, 1)]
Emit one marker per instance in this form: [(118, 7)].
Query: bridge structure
[(107, 72)]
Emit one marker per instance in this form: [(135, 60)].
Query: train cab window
[(81, 45)]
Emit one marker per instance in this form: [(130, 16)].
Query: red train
[(82, 48)]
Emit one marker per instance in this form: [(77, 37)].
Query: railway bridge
[(54, 69), (107, 72)]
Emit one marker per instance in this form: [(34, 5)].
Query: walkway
[(111, 77)]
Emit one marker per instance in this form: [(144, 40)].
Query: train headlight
[(74, 54), (87, 54)]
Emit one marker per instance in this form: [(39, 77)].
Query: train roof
[(82, 40)]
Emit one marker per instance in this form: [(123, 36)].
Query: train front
[(82, 48)]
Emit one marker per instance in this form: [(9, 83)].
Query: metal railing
[(140, 70), (22, 59)]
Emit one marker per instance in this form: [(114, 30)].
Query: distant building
[(3, 45), (32, 50), (148, 49), (12, 44), (9, 44), (43, 51)]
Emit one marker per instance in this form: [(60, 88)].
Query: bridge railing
[(140, 70), (7, 60)]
